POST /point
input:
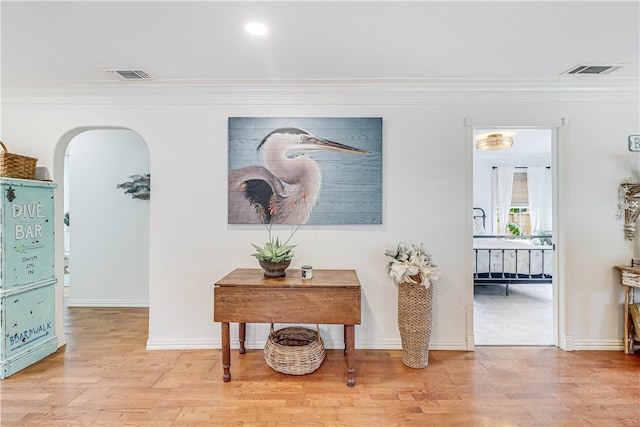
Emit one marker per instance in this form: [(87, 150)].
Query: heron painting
[(305, 170)]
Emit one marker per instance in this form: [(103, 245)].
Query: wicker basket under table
[(294, 350)]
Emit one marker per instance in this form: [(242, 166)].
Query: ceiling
[(197, 42)]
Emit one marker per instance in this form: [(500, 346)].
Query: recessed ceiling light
[(256, 28)]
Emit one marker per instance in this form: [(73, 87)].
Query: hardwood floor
[(105, 377)]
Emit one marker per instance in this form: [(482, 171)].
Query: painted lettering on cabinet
[(28, 226), (28, 211), (29, 335), (30, 263)]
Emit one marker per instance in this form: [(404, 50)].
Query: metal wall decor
[(629, 206), (139, 187)]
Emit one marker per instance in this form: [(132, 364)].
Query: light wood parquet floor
[(105, 377)]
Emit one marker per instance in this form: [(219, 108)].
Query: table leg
[(628, 340), (344, 335), (350, 336), (242, 332), (632, 329), (226, 352)]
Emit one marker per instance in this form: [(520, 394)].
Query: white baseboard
[(608, 345), (336, 344), (217, 344), (612, 345), (106, 303), (567, 343), (187, 345), (471, 343), (62, 341), (449, 345)]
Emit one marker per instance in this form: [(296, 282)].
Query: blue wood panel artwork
[(305, 170)]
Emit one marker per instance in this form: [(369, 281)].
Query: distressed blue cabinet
[(26, 233), (27, 273)]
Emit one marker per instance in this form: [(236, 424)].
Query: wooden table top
[(628, 268), (248, 277), (629, 276)]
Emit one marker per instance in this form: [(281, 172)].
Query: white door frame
[(559, 165)]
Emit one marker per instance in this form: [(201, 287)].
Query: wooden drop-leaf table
[(247, 296)]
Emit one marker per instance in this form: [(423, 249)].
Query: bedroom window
[(519, 222), (522, 197), (519, 214)]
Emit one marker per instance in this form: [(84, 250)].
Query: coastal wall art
[(305, 170)]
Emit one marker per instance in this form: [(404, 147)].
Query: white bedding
[(513, 249)]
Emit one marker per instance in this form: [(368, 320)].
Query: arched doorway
[(106, 244)]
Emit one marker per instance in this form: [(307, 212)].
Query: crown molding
[(236, 92)]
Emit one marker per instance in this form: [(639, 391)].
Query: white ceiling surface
[(53, 42)]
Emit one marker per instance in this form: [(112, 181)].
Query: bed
[(509, 260)]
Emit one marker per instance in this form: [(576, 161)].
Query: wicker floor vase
[(415, 315)]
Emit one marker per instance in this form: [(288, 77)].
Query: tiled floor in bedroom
[(524, 317)]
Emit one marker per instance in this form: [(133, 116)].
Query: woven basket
[(16, 166), (294, 350), (415, 316)]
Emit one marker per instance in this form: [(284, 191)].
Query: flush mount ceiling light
[(495, 141), (256, 29)]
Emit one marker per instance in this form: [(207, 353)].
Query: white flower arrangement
[(407, 261)]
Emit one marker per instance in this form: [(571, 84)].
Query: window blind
[(520, 194)]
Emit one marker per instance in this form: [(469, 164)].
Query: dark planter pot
[(274, 269)]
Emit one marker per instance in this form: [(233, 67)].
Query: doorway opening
[(513, 242), (106, 231)]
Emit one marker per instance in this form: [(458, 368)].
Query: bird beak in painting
[(316, 143)]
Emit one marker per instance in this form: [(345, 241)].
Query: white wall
[(427, 195), (109, 232)]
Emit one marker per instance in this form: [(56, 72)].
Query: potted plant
[(413, 271), (274, 256)]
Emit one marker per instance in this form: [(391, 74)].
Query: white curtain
[(539, 188), (505, 190)]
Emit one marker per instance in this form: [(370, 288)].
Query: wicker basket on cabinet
[(16, 166)]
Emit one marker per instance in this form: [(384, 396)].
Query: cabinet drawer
[(27, 320)]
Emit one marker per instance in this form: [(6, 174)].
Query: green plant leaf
[(514, 229)]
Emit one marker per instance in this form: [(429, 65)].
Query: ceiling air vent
[(128, 74), (592, 69)]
